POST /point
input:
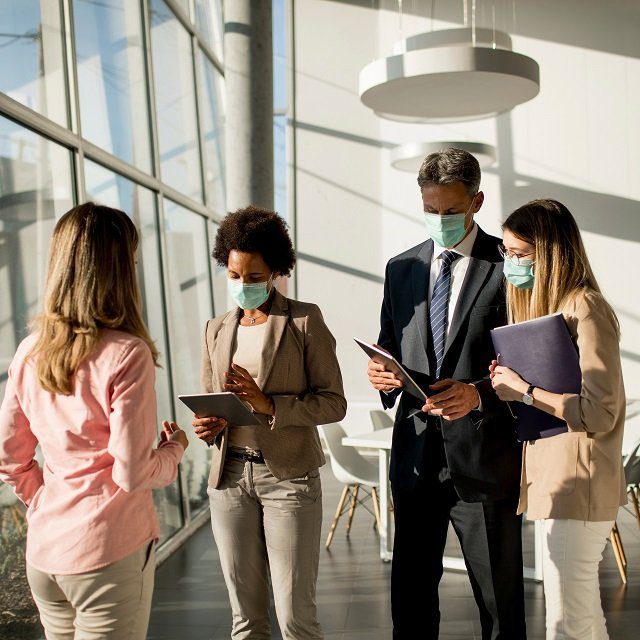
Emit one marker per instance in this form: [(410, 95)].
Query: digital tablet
[(381, 356), (225, 405)]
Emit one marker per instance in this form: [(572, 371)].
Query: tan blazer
[(299, 370), (578, 475)]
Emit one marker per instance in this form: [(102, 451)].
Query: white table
[(381, 441)]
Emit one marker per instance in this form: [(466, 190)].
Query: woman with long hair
[(572, 482), (81, 386)]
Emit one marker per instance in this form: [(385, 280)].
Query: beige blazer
[(299, 370), (579, 475)]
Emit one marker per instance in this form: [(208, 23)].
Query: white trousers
[(572, 551)]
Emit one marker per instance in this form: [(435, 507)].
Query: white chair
[(380, 419), (351, 469)]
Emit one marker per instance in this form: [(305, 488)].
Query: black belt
[(245, 456)]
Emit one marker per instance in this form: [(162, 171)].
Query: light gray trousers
[(112, 603), (264, 526)]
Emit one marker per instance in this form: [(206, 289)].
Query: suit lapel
[(420, 273), (475, 278), (276, 325), (224, 345)]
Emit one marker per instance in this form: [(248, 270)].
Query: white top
[(458, 270), (247, 354)]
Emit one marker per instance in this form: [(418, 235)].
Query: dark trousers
[(490, 535)]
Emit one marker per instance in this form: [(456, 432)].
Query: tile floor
[(190, 600)]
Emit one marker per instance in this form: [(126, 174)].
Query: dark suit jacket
[(483, 455)]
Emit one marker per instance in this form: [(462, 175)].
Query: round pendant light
[(409, 157), (449, 76)]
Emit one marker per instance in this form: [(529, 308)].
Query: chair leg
[(636, 505), (623, 555), (616, 551), (334, 524), (376, 507), (354, 504)]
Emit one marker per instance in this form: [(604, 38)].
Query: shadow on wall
[(596, 212)]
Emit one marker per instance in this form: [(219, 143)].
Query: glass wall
[(175, 102), (112, 82), (142, 129), (189, 289), (32, 69)]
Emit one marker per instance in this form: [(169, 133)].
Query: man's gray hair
[(449, 166)]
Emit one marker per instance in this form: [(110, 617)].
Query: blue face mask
[(519, 275), (447, 231), (250, 295)]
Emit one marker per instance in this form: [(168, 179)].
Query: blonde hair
[(562, 269), (91, 285)]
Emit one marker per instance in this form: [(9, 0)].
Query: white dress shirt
[(458, 270)]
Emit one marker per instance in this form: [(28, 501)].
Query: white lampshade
[(409, 157), (441, 77)]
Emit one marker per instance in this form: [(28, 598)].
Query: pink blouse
[(90, 504)]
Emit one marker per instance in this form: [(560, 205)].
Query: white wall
[(577, 141)]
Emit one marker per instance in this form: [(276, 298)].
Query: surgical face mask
[(249, 295), (448, 230), (519, 275)]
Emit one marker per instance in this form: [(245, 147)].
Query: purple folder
[(544, 354)]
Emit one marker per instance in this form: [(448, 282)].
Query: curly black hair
[(256, 230)]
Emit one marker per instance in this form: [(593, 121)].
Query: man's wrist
[(478, 406)]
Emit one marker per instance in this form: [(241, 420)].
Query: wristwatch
[(527, 397)]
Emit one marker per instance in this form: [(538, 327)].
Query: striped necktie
[(438, 309)]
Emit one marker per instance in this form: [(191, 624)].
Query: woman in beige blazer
[(279, 356), (572, 482)]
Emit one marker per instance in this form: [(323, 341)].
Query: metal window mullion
[(74, 95), (37, 122), (162, 239), (191, 28), (169, 330), (292, 141), (199, 127)]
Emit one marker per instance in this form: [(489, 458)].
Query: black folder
[(544, 354)]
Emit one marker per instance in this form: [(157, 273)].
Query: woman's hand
[(207, 429), (243, 385), (171, 432), (507, 383)]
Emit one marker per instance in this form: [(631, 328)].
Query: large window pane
[(280, 165), (31, 56), (190, 308), (280, 107), (112, 78), (35, 189), (221, 300), (175, 102), (113, 190), (210, 23), (211, 93)]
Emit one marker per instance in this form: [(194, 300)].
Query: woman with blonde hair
[(572, 482), (81, 386)]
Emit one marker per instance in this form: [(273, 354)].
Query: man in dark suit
[(454, 457)]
